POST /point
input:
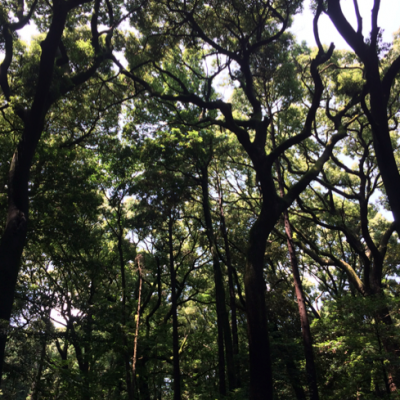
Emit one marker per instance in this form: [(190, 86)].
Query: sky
[(388, 20)]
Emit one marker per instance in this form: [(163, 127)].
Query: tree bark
[(143, 384), (292, 371), (139, 260), (261, 383), (391, 346), (305, 326), (128, 378), (222, 316), (175, 335), (37, 382), (232, 297)]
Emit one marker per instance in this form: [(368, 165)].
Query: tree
[(250, 42), (58, 68), (377, 92), (152, 196)]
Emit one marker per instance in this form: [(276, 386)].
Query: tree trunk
[(261, 384), (175, 336), (82, 351), (139, 260), (11, 247), (382, 316), (128, 378), (232, 296), (390, 346), (222, 316), (383, 147), (305, 326), (293, 374), (143, 384), (37, 382)]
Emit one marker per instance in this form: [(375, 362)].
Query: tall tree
[(58, 69), (249, 43), (377, 91)]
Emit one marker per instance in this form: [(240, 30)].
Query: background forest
[(196, 206)]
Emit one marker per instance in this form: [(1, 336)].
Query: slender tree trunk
[(128, 378), (296, 383), (232, 297), (305, 326), (386, 379), (174, 301), (88, 329), (293, 374), (82, 350), (222, 316), (37, 386), (139, 260)]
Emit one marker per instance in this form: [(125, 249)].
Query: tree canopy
[(195, 205)]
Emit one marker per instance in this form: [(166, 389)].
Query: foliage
[(132, 155)]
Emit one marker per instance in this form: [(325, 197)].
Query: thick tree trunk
[(261, 384), (387, 378), (13, 240), (175, 336), (11, 247), (383, 145), (222, 315), (305, 326)]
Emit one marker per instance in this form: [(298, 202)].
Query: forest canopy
[(195, 205)]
